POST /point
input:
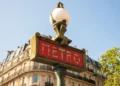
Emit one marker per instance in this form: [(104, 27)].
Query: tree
[(110, 65)]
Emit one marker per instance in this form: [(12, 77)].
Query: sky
[(94, 24)]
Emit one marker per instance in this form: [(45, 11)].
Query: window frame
[(35, 78)]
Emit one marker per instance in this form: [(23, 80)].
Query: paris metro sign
[(47, 51)]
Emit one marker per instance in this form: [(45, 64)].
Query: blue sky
[(94, 24)]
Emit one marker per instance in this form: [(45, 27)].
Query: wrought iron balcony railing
[(80, 78), (43, 67), (91, 70), (48, 84), (100, 76), (24, 84)]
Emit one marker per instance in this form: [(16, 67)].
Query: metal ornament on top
[(60, 18), (56, 52)]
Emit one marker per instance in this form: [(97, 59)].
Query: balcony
[(100, 75), (48, 84), (23, 84), (43, 67), (80, 78), (1, 72), (90, 70)]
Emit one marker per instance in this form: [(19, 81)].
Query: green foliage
[(110, 62)]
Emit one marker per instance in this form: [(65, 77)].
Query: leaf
[(110, 65)]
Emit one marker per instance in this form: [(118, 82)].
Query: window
[(85, 75), (72, 83), (2, 79), (48, 82), (13, 83), (25, 64), (81, 84), (98, 82), (90, 77), (8, 75), (35, 79), (23, 80), (27, 54), (49, 79), (15, 71)]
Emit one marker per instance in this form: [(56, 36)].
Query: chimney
[(9, 53), (87, 52), (75, 46)]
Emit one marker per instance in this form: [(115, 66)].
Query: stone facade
[(18, 70)]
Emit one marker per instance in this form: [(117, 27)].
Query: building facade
[(18, 70)]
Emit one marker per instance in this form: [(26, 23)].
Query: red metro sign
[(49, 52), (57, 53)]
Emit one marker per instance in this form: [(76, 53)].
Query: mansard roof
[(96, 64), (13, 54)]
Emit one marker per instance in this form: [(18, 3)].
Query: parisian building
[(17, 70)]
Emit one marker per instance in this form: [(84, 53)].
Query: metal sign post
[(56, 51), (60, 73)]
